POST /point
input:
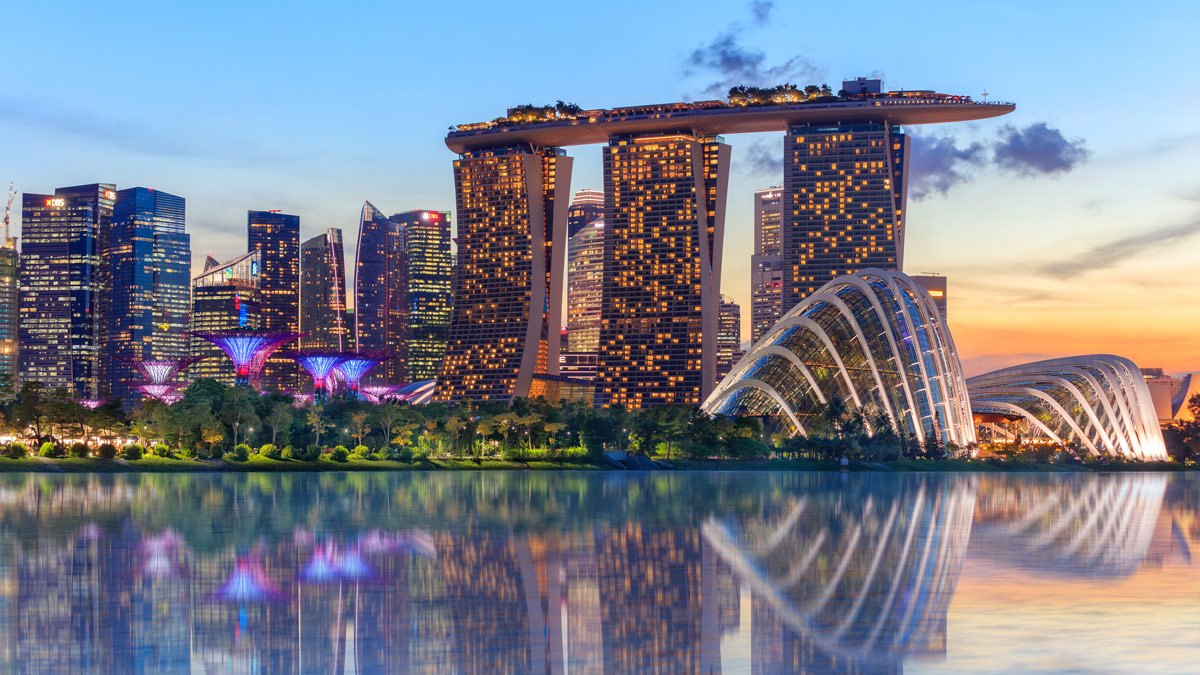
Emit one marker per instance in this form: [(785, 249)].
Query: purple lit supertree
[(248, 349), (160, 371), (318, 364), (377, 393), (164, 392), (355, 366), (91, 403)]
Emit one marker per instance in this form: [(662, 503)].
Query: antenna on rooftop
[(8, 210), (985, 95)]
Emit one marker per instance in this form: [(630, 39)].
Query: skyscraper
[(277, 235), (226, 296), (61, 280), (664, 227), (10, 269), (935, 284), (729, 337), (512, 231), (148, 260), (323, 293), (586, 206), (428, 289), (766, 264), (844, 193), (585, 279), (380, 277)]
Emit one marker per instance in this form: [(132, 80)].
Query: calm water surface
[(528, 572)]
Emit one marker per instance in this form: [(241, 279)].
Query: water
[(495, 572)]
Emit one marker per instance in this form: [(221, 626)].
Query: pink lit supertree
[(378, 393), (319, 365), (355, 366), (91, 403), (160, 371), (249, 350), (165, 392)]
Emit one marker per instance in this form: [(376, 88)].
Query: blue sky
[(311, 108)]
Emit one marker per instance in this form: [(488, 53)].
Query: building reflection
[(437, 573)]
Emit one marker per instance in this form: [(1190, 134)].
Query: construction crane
[(8, 210)]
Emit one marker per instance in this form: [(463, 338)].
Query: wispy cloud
[(762, 157), (939, 162), (1116, 251), (733, 63), (134, 136)]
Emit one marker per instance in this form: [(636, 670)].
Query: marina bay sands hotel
[(666, 174)]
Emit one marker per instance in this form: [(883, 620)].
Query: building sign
[(56, 203)]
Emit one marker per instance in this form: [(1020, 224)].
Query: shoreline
[(259, 464)]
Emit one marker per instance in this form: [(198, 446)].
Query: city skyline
[(1062, 234)]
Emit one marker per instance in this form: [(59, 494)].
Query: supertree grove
[(248, 349)]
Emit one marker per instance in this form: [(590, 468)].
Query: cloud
[(761, 10), (733, 63), (938, 163), (1037, 149), (763, 158), (1114, 252)]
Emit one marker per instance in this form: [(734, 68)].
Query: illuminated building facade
[(148, 257), (323, 292), (844, 193), (10, 270), (512, 224), (587, 206), (428, 290), (585, 280), (872, 339), (729, 337), (380, 277), (664, 227), (766, 264), (60, 284), (935, 285), (277, 236), (224, 297)]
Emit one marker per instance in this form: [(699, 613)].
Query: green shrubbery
[(161, 450), (361, 452), (339, 454), (270, 452), (106, 451), (287, 453), (50, 449), (240, 453), (16, 451), (188, 452), (132, 452), (79, 450)]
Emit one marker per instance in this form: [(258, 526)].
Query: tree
[(455, 427), (316, 421), (388, 416), (359, 420), (281, 416), (238, 410)]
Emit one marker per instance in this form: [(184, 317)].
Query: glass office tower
[(60, 284), (663, 232), (277, 235), (10, 269), (323, 293), (226, 296), (586, 206), (428, 289), (512, 227), (766, 264), (844, 189), (729, 337), (585, 282), (380, 277), (148, 260)]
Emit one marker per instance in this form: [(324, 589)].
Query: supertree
[(318, 364), (91, 403), (355, 366), (378, 393), (164, 392), (160, 371), (248, 349)]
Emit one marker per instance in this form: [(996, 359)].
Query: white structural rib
[(908, 366), (1119, 419)]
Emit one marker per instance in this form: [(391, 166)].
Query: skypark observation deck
[(710, 118)]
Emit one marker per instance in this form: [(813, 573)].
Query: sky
[(1070, 226)]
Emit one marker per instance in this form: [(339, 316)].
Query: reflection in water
[(541, 572)]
